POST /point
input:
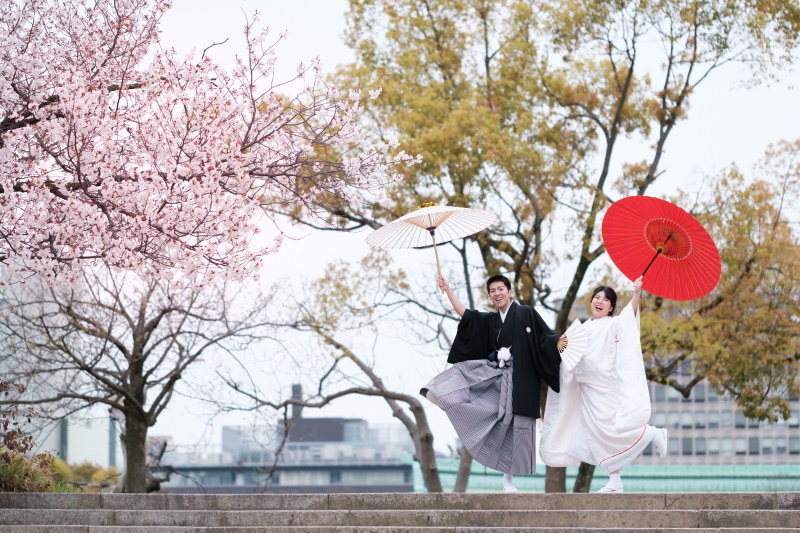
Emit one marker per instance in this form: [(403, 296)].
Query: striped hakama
[(476, 395)]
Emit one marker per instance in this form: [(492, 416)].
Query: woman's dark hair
[(611, 294), (498, 277)]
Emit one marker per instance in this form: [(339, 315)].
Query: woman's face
[(601, 306)]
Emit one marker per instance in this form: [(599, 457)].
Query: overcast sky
[(726, 125)]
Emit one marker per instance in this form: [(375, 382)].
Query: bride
[(600, 414)]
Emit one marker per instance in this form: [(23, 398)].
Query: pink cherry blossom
[(168, 169)]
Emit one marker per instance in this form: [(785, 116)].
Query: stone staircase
[(776, 512)]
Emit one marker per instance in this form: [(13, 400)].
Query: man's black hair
[(498, 277)]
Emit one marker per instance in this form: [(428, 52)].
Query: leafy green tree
[(513, 102)]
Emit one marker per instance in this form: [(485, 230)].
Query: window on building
[(741, 421), (700, 419), (700, 446), (755, 445), (780, 423), (336, 477), (727, 446), (700, 393), (794, 445), (674, 419), (673, 446), (712, 395), (406, 477), (660, 419), (794, 419), (780, 445), (752, 424), (727, 419), (686, 420), (672, 395), (766, 445), (686, 446), (741, 446), (648, 450), (713, 419), (660, 394), (713, 446), (793, 397)]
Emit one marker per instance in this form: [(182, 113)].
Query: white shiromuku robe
[(600, 415)]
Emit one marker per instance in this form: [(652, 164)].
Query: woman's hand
[(637, 286), (637, 290), (443, 284), (562, 343)]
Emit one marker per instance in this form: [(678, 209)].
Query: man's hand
[(562, 343), (444, 285), (458, 307)]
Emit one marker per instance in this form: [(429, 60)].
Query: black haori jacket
[(535, 351)]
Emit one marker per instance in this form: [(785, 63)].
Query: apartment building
[(708, 428)]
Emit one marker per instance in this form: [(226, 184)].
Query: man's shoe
[(509, 490)]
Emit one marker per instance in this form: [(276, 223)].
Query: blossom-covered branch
[(164, 170)]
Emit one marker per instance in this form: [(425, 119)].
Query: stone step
[(370, 529), (713, 518), (403, 501)]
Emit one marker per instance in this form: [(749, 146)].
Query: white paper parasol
[(429, 225), (577, 340)]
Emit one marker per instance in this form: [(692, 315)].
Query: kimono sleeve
[(472, 338), (548, 362)]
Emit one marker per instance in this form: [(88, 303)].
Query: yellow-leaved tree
[(518, 106)]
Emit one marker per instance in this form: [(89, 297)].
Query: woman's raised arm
[(637, 291)]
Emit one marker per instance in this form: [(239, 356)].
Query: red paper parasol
[(647, 235)]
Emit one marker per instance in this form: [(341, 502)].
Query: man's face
[(500, 295)]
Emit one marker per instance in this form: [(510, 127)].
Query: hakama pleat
[(476, 396)]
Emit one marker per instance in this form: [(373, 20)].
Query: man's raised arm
[(458, 307)]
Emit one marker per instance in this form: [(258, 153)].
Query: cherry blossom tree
[(164, 169)]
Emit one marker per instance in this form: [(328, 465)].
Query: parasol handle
[(660, 249), (432, 229), (437, 256)]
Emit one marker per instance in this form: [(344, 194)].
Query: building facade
[(707, 428), (321, 455), (76, 441)]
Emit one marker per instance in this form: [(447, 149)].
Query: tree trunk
[(427, 458), (584, 479), (136, 456), (555, 478), (464, 470)]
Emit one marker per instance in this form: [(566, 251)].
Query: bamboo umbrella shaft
[(433, 236), (437, 259)]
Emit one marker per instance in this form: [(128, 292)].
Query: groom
[(494, 410)]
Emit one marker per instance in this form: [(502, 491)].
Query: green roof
[(636, 478)]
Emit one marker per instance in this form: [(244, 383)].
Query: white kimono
[(600, 416)]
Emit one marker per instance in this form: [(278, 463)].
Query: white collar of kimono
[(503, 315)]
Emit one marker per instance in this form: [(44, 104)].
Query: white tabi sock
[(614, 485), (508, 483)]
